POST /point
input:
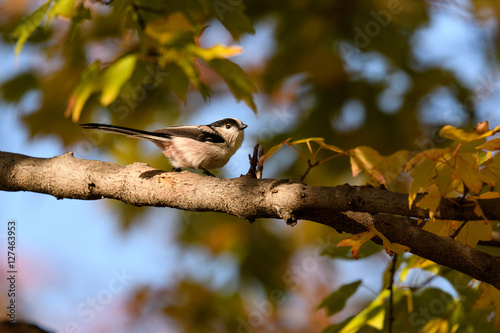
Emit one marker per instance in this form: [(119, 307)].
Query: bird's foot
[(176, 169)]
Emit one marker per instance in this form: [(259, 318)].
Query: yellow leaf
[(478, 210), (307, 140), (431, 200), (368, 160), (356, 169), (65, 8), (28, 26), (422, 173), (321, 143), (437, 325), (456, 134), (330, 147), (379, 169), (165, 29), (356, 241), (439, 227), (469, 176), (389, 247), (444, 181), (474, 231), (483, 157), (490, 145), (115, 76), (89, 84), (377, 321), (431, 154), (422, 263), (490, 296), (274, 149), (490, 195), (491, 173), (486, 177), (216, 51)]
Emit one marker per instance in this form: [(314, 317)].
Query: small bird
[(194, 147)]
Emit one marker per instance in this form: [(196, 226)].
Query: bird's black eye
[(228, 126)]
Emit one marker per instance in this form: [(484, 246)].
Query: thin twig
[(391, 297), (140, 19), (455, 234), (309, 167)]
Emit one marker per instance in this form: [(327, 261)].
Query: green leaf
[(372, 315), (115, 76), (336, 301), (189, 68), (81, 14), (14, 89), (177, 80), (65, 8), (231, 15), (29, 25), (236, 79), (168, 29)]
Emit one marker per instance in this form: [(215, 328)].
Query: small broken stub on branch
[(291, 222), (256, 163)]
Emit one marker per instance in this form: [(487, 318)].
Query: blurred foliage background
[(385, 74)]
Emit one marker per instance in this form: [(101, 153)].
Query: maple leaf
[(480, 132), (356, 241), (474, 231)]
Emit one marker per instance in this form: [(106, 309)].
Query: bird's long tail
[(152, 136)]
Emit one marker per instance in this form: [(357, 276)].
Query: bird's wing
[(198, 133)]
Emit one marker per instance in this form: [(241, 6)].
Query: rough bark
[(345, 208)]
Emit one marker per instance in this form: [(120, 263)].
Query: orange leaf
[(356, 241)]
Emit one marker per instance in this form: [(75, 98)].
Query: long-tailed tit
[(194, 147)]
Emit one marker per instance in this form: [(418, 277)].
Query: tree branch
[(345, 208)]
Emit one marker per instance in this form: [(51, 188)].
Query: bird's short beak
[(243, 126)]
